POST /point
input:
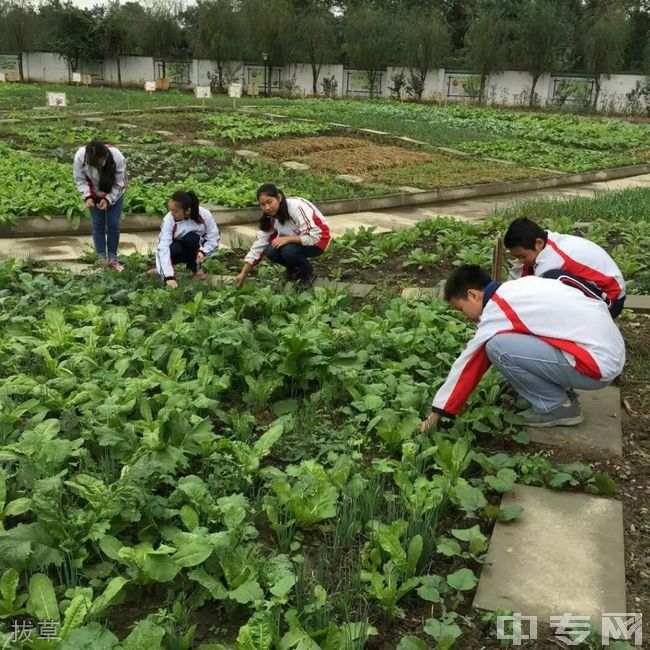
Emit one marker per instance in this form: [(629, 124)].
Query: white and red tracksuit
[(580, 257), (86, 177), (305, 220), (171, 229), (580, 327)]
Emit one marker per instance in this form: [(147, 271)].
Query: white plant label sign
[(234, 90), (76, 77), (56, 99), (202, 92), (2, 77), (150, 86)]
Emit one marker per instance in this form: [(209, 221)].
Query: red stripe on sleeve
[(469, 378), (607, 283)]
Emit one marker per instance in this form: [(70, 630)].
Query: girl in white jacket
[(188, 235), (291, 231), (99, 172)]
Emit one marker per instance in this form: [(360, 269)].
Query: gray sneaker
[(563, 416)]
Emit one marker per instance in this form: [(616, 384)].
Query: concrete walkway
[(67, 248)]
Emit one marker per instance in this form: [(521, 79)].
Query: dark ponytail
[(96, 151), (269, 189), (188, 201)]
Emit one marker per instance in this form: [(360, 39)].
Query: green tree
[(486, 43), (115, 33), (315, 38), (369, 41), (425, 43), (605, 34), (219, 32), (18, 18), (542, 36), (74, 34), (270, 27), (161, 33)]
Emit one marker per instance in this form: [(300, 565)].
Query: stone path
[(60, 248), (563, 554), (601, 432)]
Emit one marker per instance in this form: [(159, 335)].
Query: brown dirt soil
[(362, 160), (286, 149)]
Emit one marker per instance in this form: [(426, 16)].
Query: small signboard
[(76, 77), (57, 100), (202, 92), (2, 77), (234, 91), (150, 86)]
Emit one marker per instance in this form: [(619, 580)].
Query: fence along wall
[(504, 88)]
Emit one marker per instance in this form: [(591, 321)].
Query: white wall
[(45, 66), (506, 88), (303, 76), (135, 70)]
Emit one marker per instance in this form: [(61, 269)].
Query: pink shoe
[(153, 271), (201, 275), (116, 265)]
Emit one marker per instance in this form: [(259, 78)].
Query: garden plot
[(378, 162), (232, 478), (243, 464), (567, 143)]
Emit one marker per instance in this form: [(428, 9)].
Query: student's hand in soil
[(200, 257), (240, 279), (429, 423), (172, 283), (90, 202), (103, 204), (279, 242)]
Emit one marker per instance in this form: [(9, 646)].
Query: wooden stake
[(498, 258)]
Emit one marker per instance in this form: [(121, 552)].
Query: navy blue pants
[(294, 257)]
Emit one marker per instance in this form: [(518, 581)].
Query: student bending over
[(544, 337)]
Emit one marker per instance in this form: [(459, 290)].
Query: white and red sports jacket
[(566, 319), (305, 220), (579, 257), (171, 229), (86, 177)]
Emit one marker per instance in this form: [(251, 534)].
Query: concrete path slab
[(356, 290), (600, 434), (563, 554), (638, 303), (418, 293)]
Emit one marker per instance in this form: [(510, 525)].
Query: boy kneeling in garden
[(576, 261), (546, 339)]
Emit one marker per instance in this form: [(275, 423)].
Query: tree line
[(595, 37)]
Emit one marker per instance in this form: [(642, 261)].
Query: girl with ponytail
[(99, 172), (292, 230), (188, 235)]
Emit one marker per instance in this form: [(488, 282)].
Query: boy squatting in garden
[(544, 337), (575, 261)]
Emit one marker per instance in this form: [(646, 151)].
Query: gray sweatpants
[(539, 372)]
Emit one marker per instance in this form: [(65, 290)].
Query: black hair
[(464, 278), (524, 232), (95, 151), (283, 211), (188, 201)]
